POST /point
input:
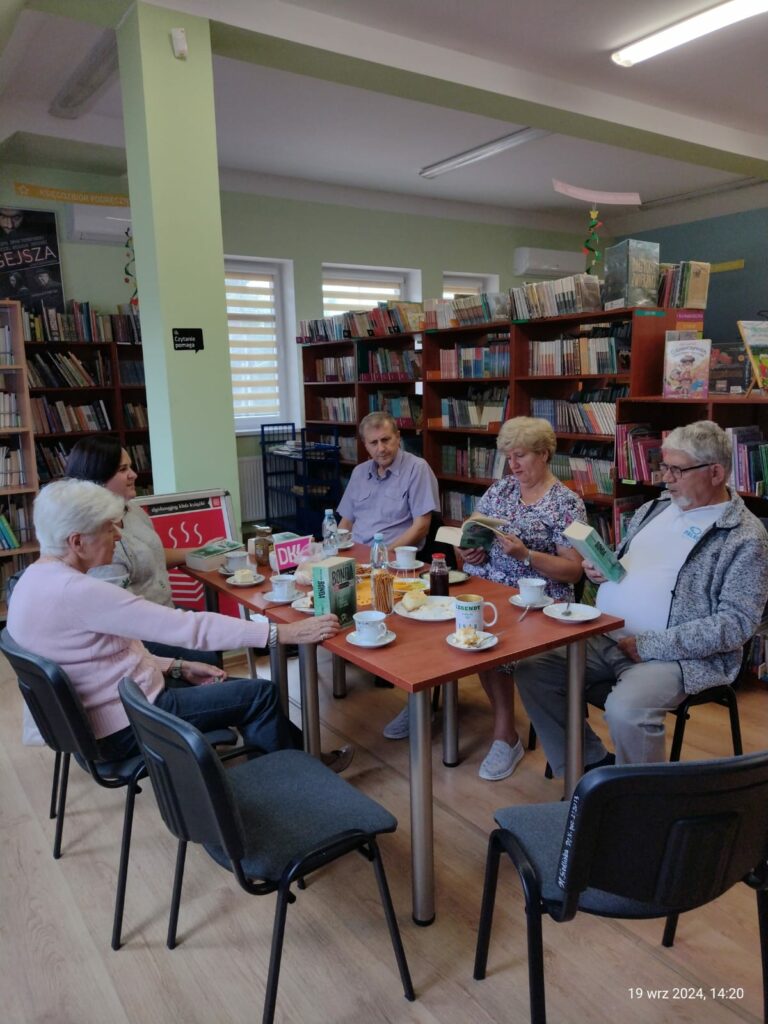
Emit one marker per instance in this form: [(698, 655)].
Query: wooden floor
[(55, 916)]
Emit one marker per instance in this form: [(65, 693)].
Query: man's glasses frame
[(676, 472)]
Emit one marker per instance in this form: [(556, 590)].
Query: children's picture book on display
[(754, 333), (686, 366), (730, 371)]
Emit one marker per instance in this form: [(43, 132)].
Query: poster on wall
[(29, 259)]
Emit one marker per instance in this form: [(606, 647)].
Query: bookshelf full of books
[(346, 378), (86, 375), (18, 476)]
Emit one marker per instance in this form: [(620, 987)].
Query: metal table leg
[(339, 677), (451, 723), (574, 744), (310, 704), (422, 831), (278, 665)]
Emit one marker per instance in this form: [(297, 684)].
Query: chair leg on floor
[(531, 737), (61, 805), (278, 934), (178, 878), (486, 910), (536, 965), (677, 736), (394, 931), (670, 927), (733, 711), (122, 871), (55, 784)]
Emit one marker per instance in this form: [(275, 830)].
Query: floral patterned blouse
[(540, 527)]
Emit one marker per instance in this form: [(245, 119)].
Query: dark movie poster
[(29, 259)]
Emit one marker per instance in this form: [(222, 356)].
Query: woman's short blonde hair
[(528, 432)]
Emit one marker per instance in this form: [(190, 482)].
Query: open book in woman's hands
[(476, 532)]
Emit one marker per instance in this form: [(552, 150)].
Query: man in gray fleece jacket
[(695, 591)]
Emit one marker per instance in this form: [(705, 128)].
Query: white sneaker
[(501, 760), (399, 727)]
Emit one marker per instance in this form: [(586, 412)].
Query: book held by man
[(333, 588), (478, 531), (591, 546)]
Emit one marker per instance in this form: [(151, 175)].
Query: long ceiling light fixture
[(88, 80), (702, 193), (685, 31), (471, 156)]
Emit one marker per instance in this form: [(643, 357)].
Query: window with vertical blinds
[(255, 337), (346, 288)]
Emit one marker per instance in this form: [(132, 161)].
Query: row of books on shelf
[(140, 457), (15, 526), (638, 452), (131, 371), (588, 474), (6, 346), (51, 459), (583, 413), (12, 471), (457, 505), (66, 370), (390, 364), (483, 308), (62, 418), (393, 317), (473, 461), (8, 567), (405, 409), (490, 360), (683, 285), (575, 356), (347, 445), (9, 409), (81, 323), (480, 408), (339, 409), (750, 459), (336, 368), (135, 416), (579, 293)]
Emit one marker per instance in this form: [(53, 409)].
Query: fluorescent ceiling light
[(701, 193), (471, 156), (88, 80), (692, 28)]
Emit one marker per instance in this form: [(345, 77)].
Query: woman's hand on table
[(308, 630), (475, 556), (199, 673)]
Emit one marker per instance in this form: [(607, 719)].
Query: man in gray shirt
[(393, 492)]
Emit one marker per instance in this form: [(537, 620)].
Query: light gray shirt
[(140, 552)]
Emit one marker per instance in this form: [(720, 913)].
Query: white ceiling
[(278, 126)]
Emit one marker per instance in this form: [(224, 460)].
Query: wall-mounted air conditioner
[(104, 225), (547, 262)]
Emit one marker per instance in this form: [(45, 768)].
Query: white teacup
[(370, 626), (531, 590), (283, 587), (406, 556), (470, 612), (236, 560), (343, 536)]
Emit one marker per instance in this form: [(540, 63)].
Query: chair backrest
[(430, 545), (190, 785), (52, 700), (673, 835)]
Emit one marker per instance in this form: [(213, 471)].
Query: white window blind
[(346, 288), (463, 284), (254, 324)]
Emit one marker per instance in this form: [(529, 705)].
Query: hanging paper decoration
[(128, 271), (590, 248)]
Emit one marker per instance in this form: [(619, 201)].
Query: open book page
[(477, 532)]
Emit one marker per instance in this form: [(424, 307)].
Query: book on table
[(593, 548), (478, 531)]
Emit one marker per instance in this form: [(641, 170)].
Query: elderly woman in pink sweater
[(94, 631)]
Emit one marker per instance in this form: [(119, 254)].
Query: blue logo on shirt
[(694, 532)]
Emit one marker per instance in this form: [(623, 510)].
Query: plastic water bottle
[(330, 534), (379, 555), (438, 576)]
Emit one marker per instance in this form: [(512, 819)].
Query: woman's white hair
[(704, 441), (72, 506)]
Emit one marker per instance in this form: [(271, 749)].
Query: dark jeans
[(250, 705), (172, 651)]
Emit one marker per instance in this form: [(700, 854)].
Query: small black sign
[(187, 339)]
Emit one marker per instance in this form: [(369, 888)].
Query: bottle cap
[(378, 536), (437, 555), (329, 511)]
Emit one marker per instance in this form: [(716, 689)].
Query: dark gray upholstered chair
[(64, 726), (271, 820), (639, 841)]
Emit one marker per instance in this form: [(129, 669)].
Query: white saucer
[(352, 638), (347, 546), (516, 599), (579, 612), (278, 600), (406, 568), (257, 579), (300, 605), (489, 640)]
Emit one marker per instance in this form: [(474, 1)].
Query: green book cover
[(591, 546), (334, 590)]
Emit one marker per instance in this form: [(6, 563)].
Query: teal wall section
[(734, 294)]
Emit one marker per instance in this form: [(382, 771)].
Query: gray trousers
[(635, 709)]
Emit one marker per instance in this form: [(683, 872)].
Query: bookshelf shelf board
[(72, 387), (6, 367), (383, 383), (480, 431), (483, 328), (133, 387), (62, 346), (597, 315), (7, 491), (30, 548), (136, 430), (468, 380), (573, 376), (330, 383), (567, 436), (4, 431), (71, 433), (330, 423), (474, 481), (597, 498)]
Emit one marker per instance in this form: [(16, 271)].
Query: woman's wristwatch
[(527, 559), (176, 669)]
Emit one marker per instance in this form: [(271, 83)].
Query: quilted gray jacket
[(718, 598)]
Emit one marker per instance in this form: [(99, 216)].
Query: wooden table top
[(420, 656)]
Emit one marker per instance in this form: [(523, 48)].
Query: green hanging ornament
[(590, 247)]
